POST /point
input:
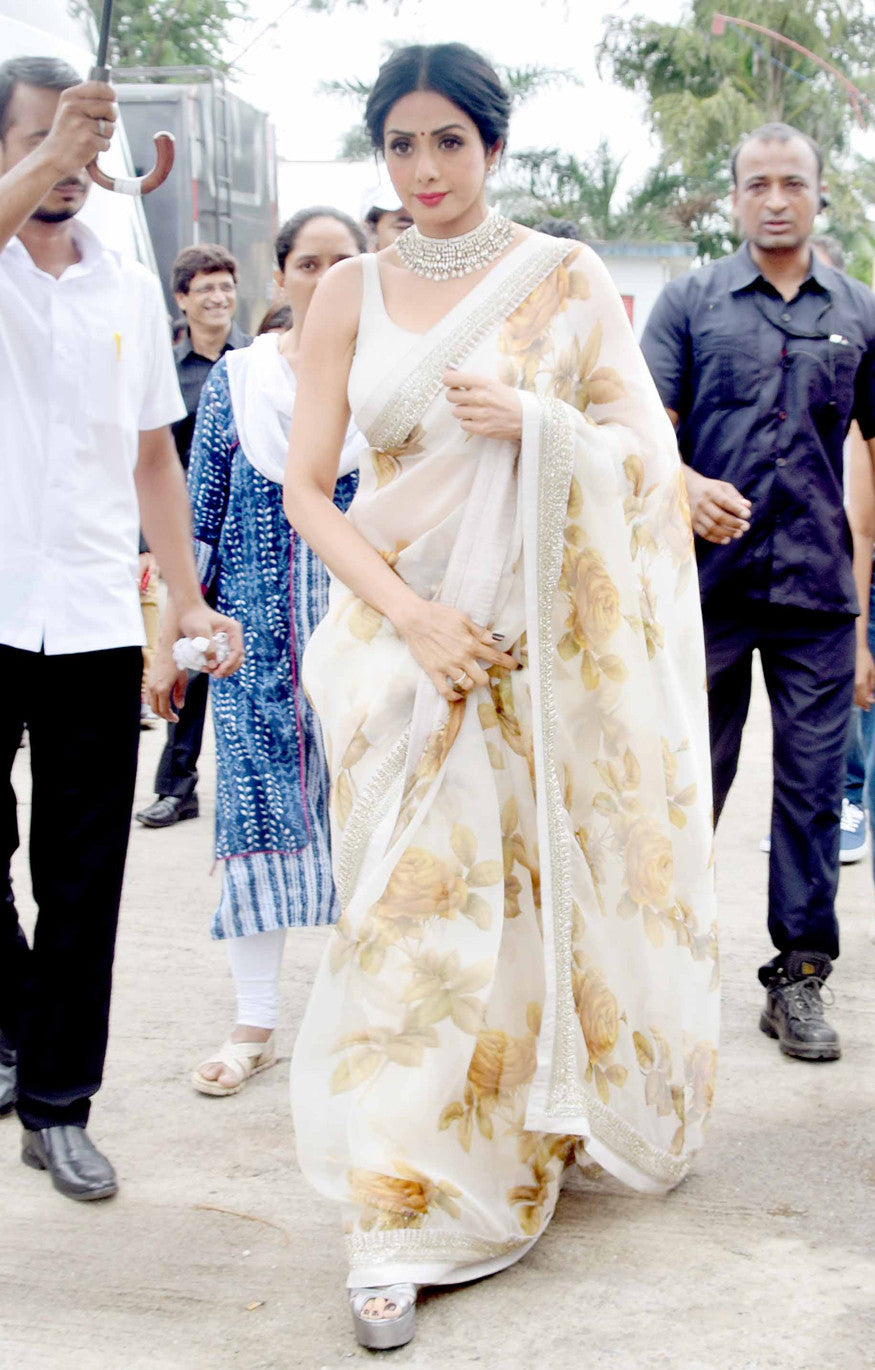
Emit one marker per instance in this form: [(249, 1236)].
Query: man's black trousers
[(808, 665), (177, 768), (82, 713)]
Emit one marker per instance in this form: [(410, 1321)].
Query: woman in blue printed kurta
[(272, 781)]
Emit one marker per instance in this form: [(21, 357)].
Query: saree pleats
[(524, 973)]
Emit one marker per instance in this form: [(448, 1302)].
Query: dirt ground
[(216, 1254)]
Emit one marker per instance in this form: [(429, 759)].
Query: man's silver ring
[(101, 128), (463, 677)]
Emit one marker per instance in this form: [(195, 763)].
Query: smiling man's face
[(210, 300)]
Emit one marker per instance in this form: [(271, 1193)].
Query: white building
[(640, 270)]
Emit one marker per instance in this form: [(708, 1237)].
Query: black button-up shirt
[(766, 389), (192, 370)]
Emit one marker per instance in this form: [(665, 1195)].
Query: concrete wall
[(640, 270)]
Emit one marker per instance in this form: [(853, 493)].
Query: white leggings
[(255, 965)]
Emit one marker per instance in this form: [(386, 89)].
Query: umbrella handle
[(139, 185), (134, 185)]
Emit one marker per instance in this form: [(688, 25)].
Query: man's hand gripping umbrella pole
[(127, 185)]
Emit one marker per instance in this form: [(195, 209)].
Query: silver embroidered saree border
[(368, 811), (565, 1097), (417, 389), (426, 1245), (568, 1099)]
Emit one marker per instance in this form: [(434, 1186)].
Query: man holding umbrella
[(88, 391)]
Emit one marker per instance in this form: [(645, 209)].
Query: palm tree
[(554, 184)]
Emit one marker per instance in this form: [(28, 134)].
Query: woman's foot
[(247, 1051), (384, 1317)]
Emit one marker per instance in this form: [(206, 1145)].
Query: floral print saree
[(524, 976)]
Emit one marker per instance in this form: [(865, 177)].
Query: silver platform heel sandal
[(394, 1326)]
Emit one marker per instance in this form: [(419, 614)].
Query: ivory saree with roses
[(524, 975)]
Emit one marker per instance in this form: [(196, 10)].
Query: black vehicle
[(223, 186)]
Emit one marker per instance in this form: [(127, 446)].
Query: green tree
[(355, 145), (162, 33), (554, 184), (703, 92)]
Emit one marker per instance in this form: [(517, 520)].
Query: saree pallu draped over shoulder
[(525, 971)]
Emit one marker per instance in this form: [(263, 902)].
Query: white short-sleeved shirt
[(85, 366)]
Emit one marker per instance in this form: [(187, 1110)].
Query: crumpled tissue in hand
[(189, 653)]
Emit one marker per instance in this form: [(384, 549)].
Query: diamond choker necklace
[(441, 258)]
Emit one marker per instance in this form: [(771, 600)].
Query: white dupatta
[(263, 388)]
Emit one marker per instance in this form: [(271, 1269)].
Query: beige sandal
[(241, 1059)]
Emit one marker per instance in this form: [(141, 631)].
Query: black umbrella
[(127, 185)]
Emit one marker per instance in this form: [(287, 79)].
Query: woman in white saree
[(511, 685)]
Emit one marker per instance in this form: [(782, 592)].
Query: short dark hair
[(46, 73), (450, 69), (560, 228), (375, 214), (207, 258), (773, 133), (832, 247), (285, 239)]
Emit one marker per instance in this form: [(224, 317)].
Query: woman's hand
[(485, 406), (448, 647), (165, 686)]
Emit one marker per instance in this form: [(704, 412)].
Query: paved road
[(216, 1254)]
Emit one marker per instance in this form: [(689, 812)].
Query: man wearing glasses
[(205, 285)]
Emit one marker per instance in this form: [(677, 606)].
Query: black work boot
[(794, 1009)]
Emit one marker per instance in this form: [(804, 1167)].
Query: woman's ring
[(101, 128), (461, 679)]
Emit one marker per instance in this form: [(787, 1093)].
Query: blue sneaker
[(854, 838)]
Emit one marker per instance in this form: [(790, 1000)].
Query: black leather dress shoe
[(167, 810), (77, 1168), (8, 1077), (794, 1009)]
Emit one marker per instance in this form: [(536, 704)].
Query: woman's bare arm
[(319, 425), (444, 641)]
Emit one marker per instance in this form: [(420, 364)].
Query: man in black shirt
[(205, 286), (762, 360)]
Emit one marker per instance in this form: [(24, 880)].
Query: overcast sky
[(283, 70)]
